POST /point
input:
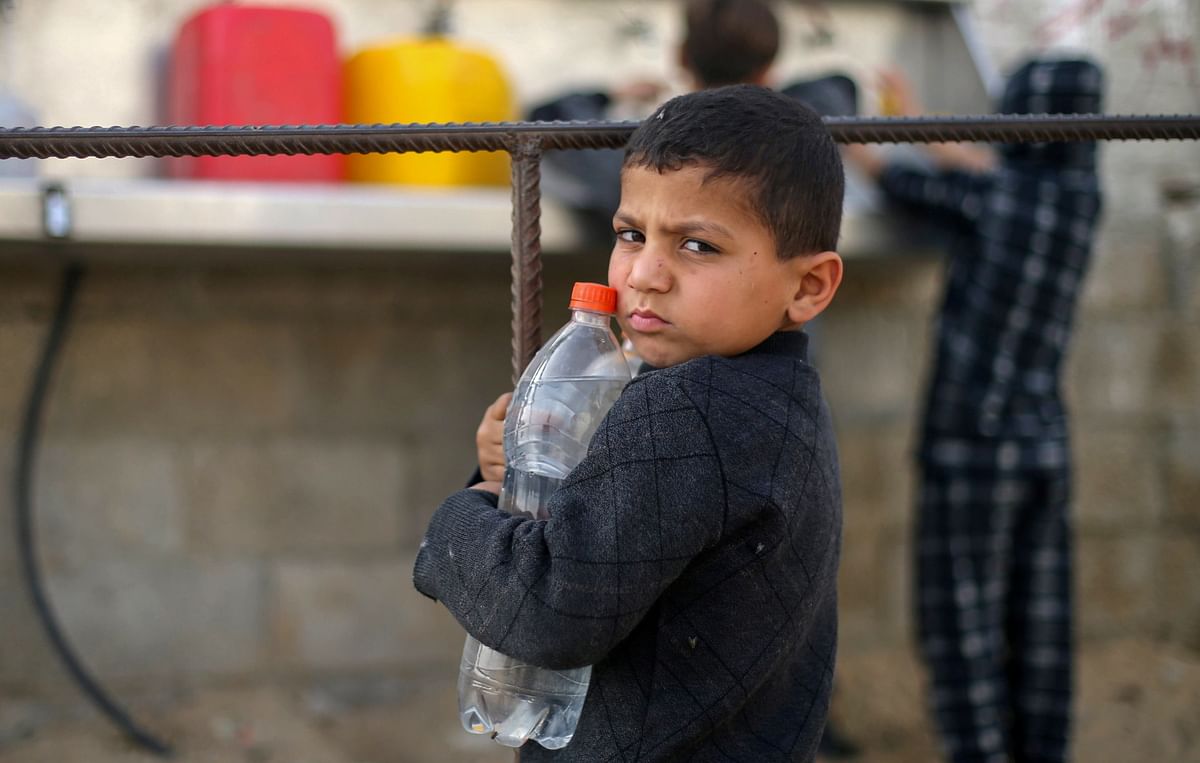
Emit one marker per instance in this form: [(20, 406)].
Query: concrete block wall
[(237, 461)]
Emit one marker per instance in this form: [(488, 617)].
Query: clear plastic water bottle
[(557, 406)]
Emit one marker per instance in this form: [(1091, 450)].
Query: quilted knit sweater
[(691, 558)]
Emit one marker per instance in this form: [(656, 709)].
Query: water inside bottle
[(550, 435), (557, 407), (516, 702)]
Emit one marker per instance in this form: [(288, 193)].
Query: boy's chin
[(662, 357)]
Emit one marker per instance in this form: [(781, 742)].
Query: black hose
[(27, 442)]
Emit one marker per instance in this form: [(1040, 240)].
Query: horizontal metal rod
[(65, 142)]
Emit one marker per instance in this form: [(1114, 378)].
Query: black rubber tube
[(27, 443)]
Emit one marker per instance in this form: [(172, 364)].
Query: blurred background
[(275, 370)]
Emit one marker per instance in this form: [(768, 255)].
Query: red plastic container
[(255, 65)]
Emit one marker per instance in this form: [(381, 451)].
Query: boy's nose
[(649, 271)]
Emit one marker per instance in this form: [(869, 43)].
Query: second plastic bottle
[(557, 406)]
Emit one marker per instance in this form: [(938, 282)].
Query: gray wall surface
[(238, 460)]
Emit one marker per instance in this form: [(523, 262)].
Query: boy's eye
[(698, 246), (630, 236)]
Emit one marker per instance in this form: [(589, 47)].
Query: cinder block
[(27, 663), (20, 348), (140, 618), (356, 614), (1181, 249), (1118, 478), (27, 292), (878, 473), (437, 466), (183, 377), (897, 570), (1183, 478), (292, 495), (1112, 371), (1114, 579), (9, 565), (1177, 594), (881, 378), (1126, 270), (107, 379), (101, 499), (394, 377), (862, 594), (1179, 372), (914, 284), (875, 588)]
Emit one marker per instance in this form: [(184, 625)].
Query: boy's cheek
[(621, 320), (616, 275)]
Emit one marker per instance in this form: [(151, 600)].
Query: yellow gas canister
[(429, 79)]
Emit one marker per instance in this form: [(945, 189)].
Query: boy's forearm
[(498, 576), (563, 592)]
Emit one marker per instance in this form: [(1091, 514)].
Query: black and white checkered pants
[(993, 577)]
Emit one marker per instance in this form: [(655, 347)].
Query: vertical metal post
[(526, 251)]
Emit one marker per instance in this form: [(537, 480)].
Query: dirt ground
[(1138, 701)]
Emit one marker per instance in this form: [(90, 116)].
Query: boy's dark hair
[(776, 145), (729, 41)]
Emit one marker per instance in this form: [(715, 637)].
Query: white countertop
[(157, 214)]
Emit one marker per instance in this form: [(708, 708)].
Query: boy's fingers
[(498, 409), (489, 430), (487, 487)]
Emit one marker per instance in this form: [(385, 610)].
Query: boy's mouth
[(646, 320)]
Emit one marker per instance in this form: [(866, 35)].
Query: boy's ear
[(819, 276)]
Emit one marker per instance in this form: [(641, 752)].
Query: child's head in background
[(729, 42)]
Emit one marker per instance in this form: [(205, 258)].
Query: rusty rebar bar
[(526, 251), (67, 142)]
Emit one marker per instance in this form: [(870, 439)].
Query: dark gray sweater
[(691, 558)]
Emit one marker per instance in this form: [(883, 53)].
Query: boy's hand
[(489, 440), (487, 487)]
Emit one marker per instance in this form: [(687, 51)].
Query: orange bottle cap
[(594, 296)]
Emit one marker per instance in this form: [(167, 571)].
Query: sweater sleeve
[(562, 592), (950, 192)]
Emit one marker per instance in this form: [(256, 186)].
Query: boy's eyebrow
[(685, 228), (692, 227), (625, 218)]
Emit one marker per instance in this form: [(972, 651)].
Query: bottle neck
[(591, 318)]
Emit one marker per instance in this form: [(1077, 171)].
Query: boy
[(692, 556), (993, 526)]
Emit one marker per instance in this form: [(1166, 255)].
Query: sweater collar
[(791, 343)]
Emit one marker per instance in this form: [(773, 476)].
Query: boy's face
[(695, 270)]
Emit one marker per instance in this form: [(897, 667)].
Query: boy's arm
[(563, 592)]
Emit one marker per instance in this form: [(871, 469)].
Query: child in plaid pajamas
[(993, 542)]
